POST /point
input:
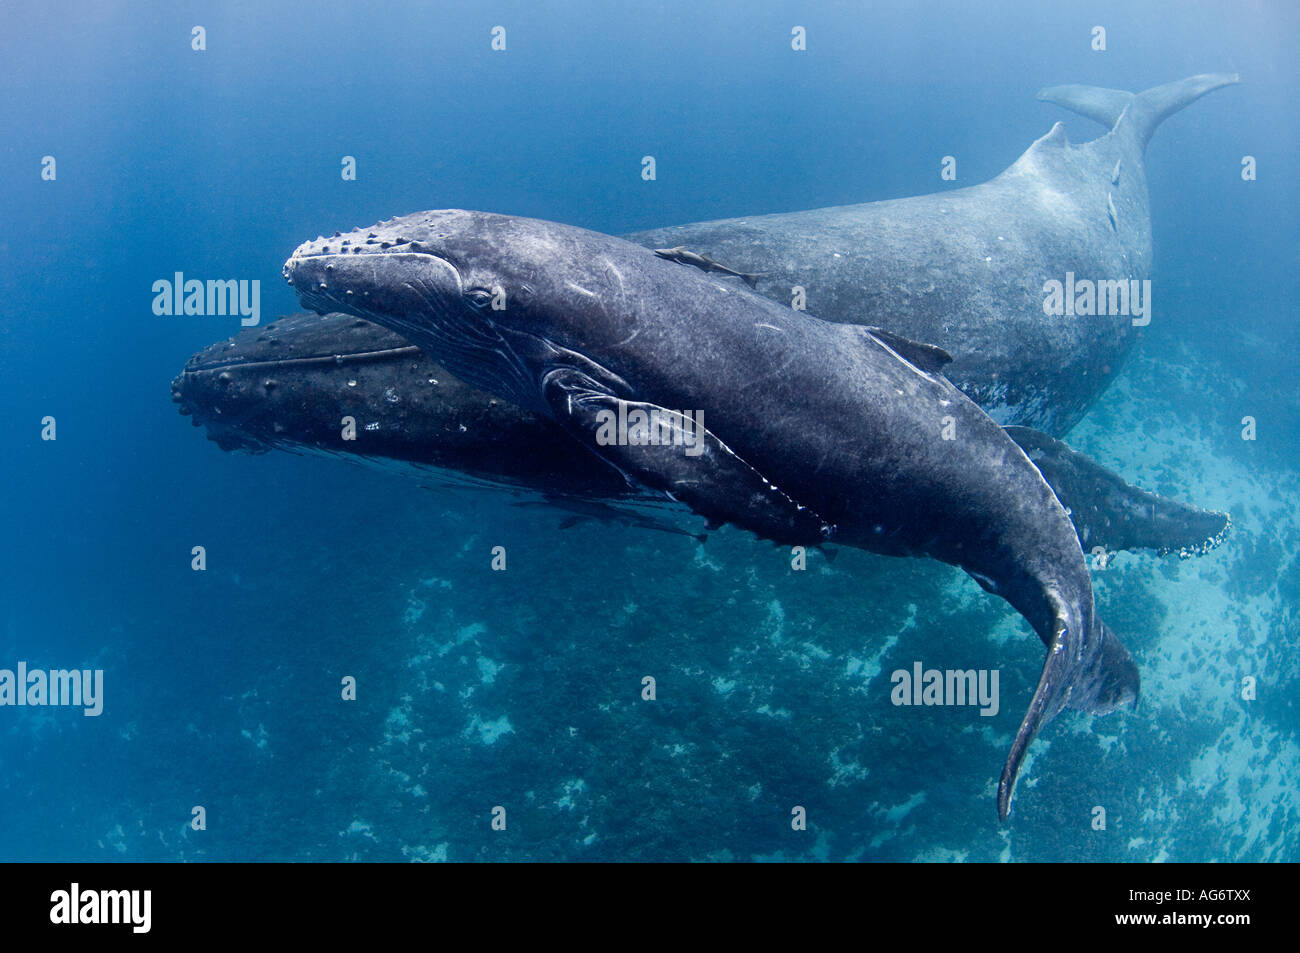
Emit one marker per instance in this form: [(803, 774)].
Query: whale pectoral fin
[(1094, 674), (1109, 513), (686, 461), (1043, 707)]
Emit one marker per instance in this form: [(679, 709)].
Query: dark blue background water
[(223, 686)]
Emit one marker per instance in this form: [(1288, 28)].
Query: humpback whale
[(966, 269), (800, 431), (290, 385)]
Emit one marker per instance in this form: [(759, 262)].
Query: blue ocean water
[(478, 689)]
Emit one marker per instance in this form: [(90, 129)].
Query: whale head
[(497, 299)]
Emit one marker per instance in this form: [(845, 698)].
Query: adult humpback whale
[(292, 384), (800, 431), (966, 269)]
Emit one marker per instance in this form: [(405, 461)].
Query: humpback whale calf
[(966, 269), (291, 384), (800, 431)]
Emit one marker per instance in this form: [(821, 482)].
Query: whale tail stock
[(1094, 674), (1145, 110)]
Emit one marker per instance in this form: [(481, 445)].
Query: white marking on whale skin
[(1004, 413), (610, 266), (770, 327), (581, 290), (1055, 199), (629, 338)]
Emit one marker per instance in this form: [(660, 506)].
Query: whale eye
[(479, 298)]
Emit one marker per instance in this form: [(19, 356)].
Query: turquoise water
[(522, 689)]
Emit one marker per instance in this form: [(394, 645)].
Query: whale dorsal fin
[(1055, 138), (927, 357)]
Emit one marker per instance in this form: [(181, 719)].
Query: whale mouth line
[(313, 275), (360, 251), (413, 249), (337, 360), (411, 304)]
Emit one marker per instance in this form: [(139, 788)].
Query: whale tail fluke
[(1140, 112), (1095, 674)]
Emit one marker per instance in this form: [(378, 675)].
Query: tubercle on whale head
[(388, 284), (504, 262), (448, 260), (490, 296), (380, 273), (453, 282)]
